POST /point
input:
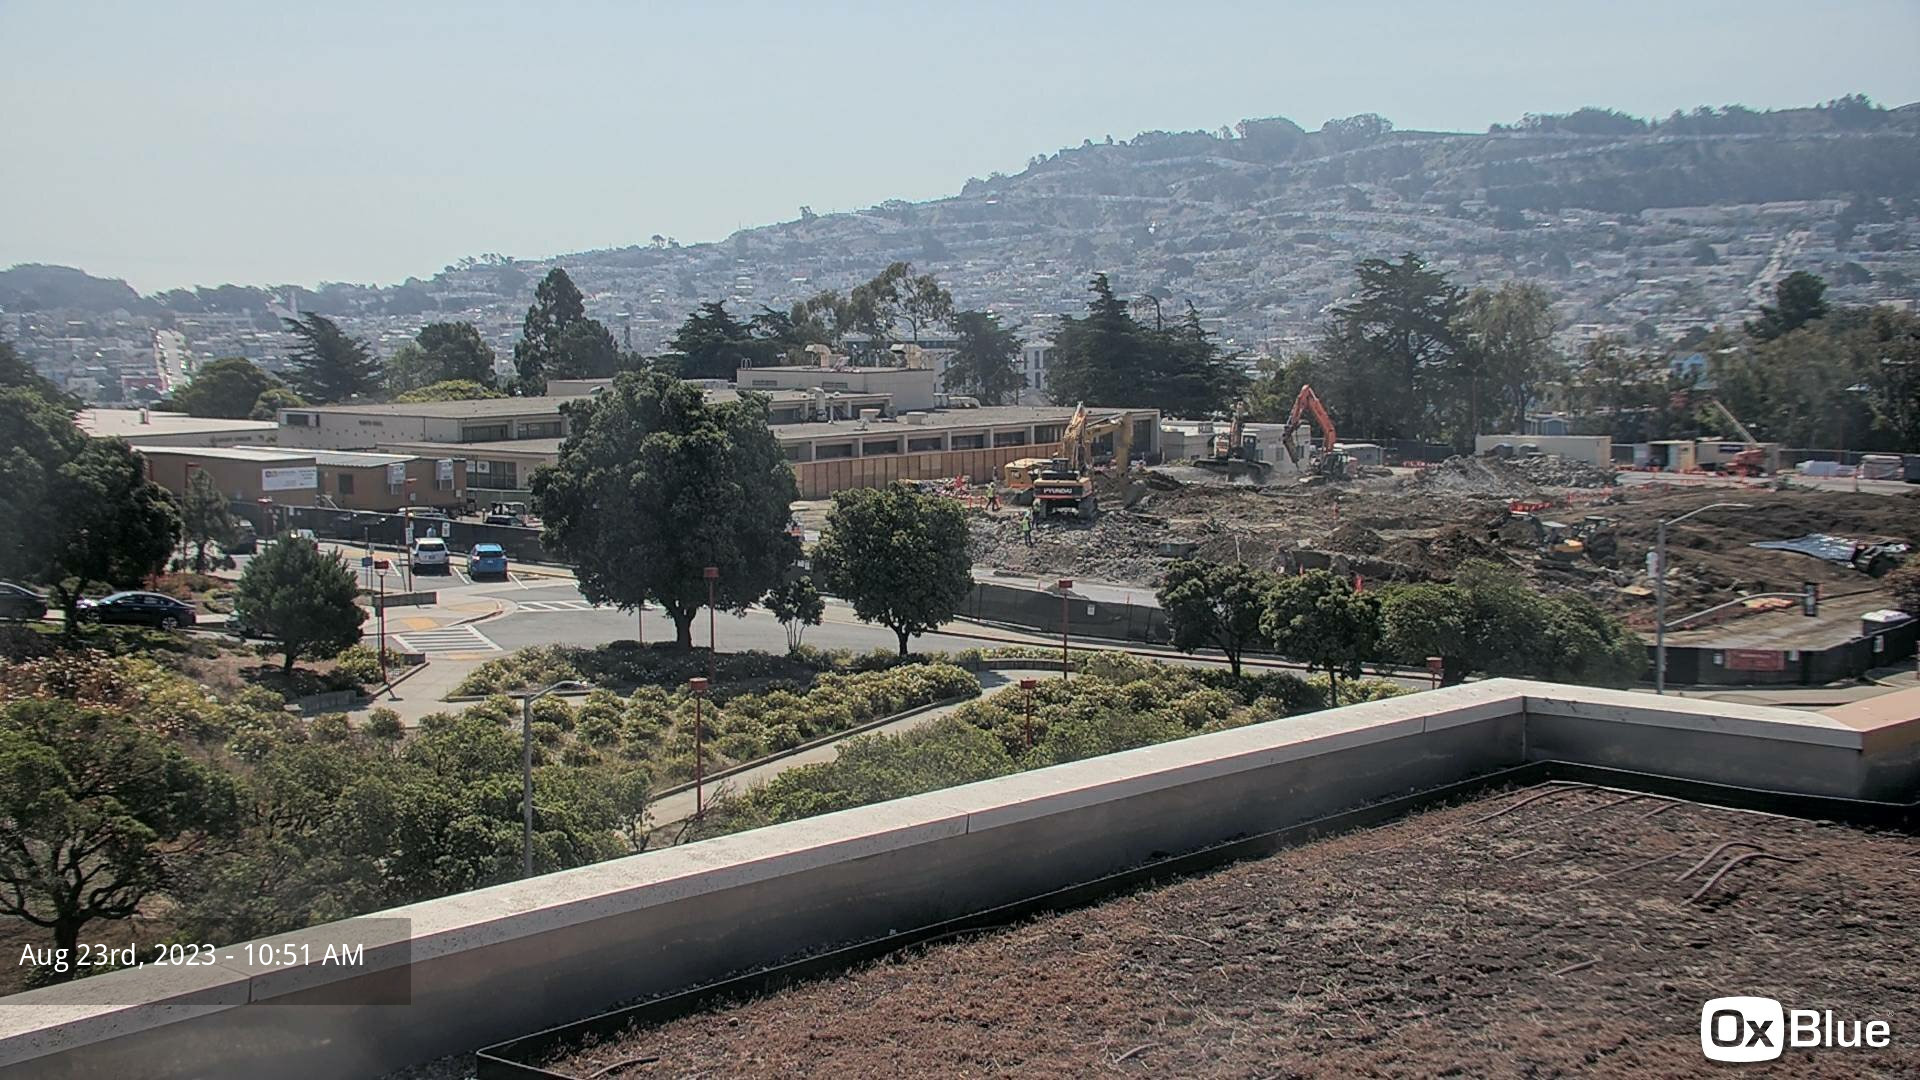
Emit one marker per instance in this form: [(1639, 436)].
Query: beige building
[(152, 428), (349, 481), (363, 427)]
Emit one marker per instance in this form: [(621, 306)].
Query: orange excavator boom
[(1304, 403)]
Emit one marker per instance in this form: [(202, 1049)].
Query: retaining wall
[(511, 959)]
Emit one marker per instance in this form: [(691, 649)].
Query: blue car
[(487, 559)]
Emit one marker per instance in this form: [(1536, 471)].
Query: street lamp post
[(1066, 661), (526, 768), (699, 688), (1660, 589), (1028, 686), (712, 574)]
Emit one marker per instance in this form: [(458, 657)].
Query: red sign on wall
[(1756, 660)]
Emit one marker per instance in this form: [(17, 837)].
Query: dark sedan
[(143, 608), (19, 603)]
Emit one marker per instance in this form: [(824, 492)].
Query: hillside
[(1654, 227)]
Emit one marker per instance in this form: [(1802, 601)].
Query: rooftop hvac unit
[(917, 419)]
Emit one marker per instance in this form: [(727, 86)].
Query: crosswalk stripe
[(556, 605), (447, 639)]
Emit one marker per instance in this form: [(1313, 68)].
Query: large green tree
[(272, 400), (451, 390), (1490, 620), (1107, 358), (1505, 355), (1390, 350), (656, 483), (455, 351), (983, 364), (1317, 617), (37, 437), (1798, 299), (205, 517), (98, 814), (226, 388), (327, 364), (300, 598), (587, 351), (104, 522), (899, 557), (557, 304), (712, 344), (1221, 605)]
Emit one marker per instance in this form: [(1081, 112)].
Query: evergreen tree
[(328, 365), (1798, 299), (226, 388), (301, 598), (899, 557), (205, 517), (1390, 350), (557, 304), (983, 365)]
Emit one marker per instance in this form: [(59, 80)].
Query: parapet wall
[(499, 962)]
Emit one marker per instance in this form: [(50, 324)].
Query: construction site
[(1564, 524)]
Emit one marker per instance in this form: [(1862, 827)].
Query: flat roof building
[(155, 428)]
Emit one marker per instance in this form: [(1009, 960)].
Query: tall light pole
[(712, 574), (526, 769), (699, 688), (1066, 661), (1660, 589)]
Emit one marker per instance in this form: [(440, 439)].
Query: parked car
[(430, 556), (243, 542), (17, 602), (144, 608), (487, 559)]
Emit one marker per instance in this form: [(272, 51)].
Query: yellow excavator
[(1064, 485)]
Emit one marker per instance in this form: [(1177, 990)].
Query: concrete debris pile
[(1551, 470), (1477, 476)]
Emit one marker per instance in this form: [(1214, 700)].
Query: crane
[(1332, 463)]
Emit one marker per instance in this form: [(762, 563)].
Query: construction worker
[(993, 501), (1026, 526)]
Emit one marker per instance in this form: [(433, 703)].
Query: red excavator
[(1327, 462)]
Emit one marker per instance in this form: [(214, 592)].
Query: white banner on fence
[(295, 479)]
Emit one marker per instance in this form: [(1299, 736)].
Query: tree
[(1390, 350), (272, 400), (1107, 358), (557, 304), (899, 557), (1318, 618), (711, 343), (105, 522), (205, 517), (587, 351), (1215, 604), (1275, 386), (455, 350), (301, 598), (797, 604), (655, 483), (225, 388), (983, 365), (98, 812), (1490, 620), (1505, 353), (1798, 299), (450, 390), (328, 365), (37, 437)]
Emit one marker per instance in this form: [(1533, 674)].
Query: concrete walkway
[(680, 806)]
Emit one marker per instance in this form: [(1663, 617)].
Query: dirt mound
[(1353, 539), (1478, 476), (1547, 470)]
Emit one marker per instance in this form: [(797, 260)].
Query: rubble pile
[(1551, 470)]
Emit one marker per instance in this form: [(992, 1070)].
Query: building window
[(486, 433), (544, 429), (1048, 432), (345, 482), (915, 446), (495, 475), (829, 451), (969, 442), (775, 383), (300, 419), (880, 446), (1009, 438)]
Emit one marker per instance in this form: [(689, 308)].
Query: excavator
[(1064, 485), (1749, 462), (1234, 452), (1328, 463)]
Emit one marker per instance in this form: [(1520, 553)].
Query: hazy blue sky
[(263, 142)]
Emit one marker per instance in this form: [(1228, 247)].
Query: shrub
[(330, 728), (384, 724)]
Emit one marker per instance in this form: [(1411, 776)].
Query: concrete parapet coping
[(1429, 726)]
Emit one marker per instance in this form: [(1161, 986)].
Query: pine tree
[(328, 364), (557, 304)]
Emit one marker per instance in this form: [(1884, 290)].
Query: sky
[(205, 141)]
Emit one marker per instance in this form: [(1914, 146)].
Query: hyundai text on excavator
[(1064, 485)]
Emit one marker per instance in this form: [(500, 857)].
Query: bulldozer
[(1064, 485), (1564, 544), (1326, 463)]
